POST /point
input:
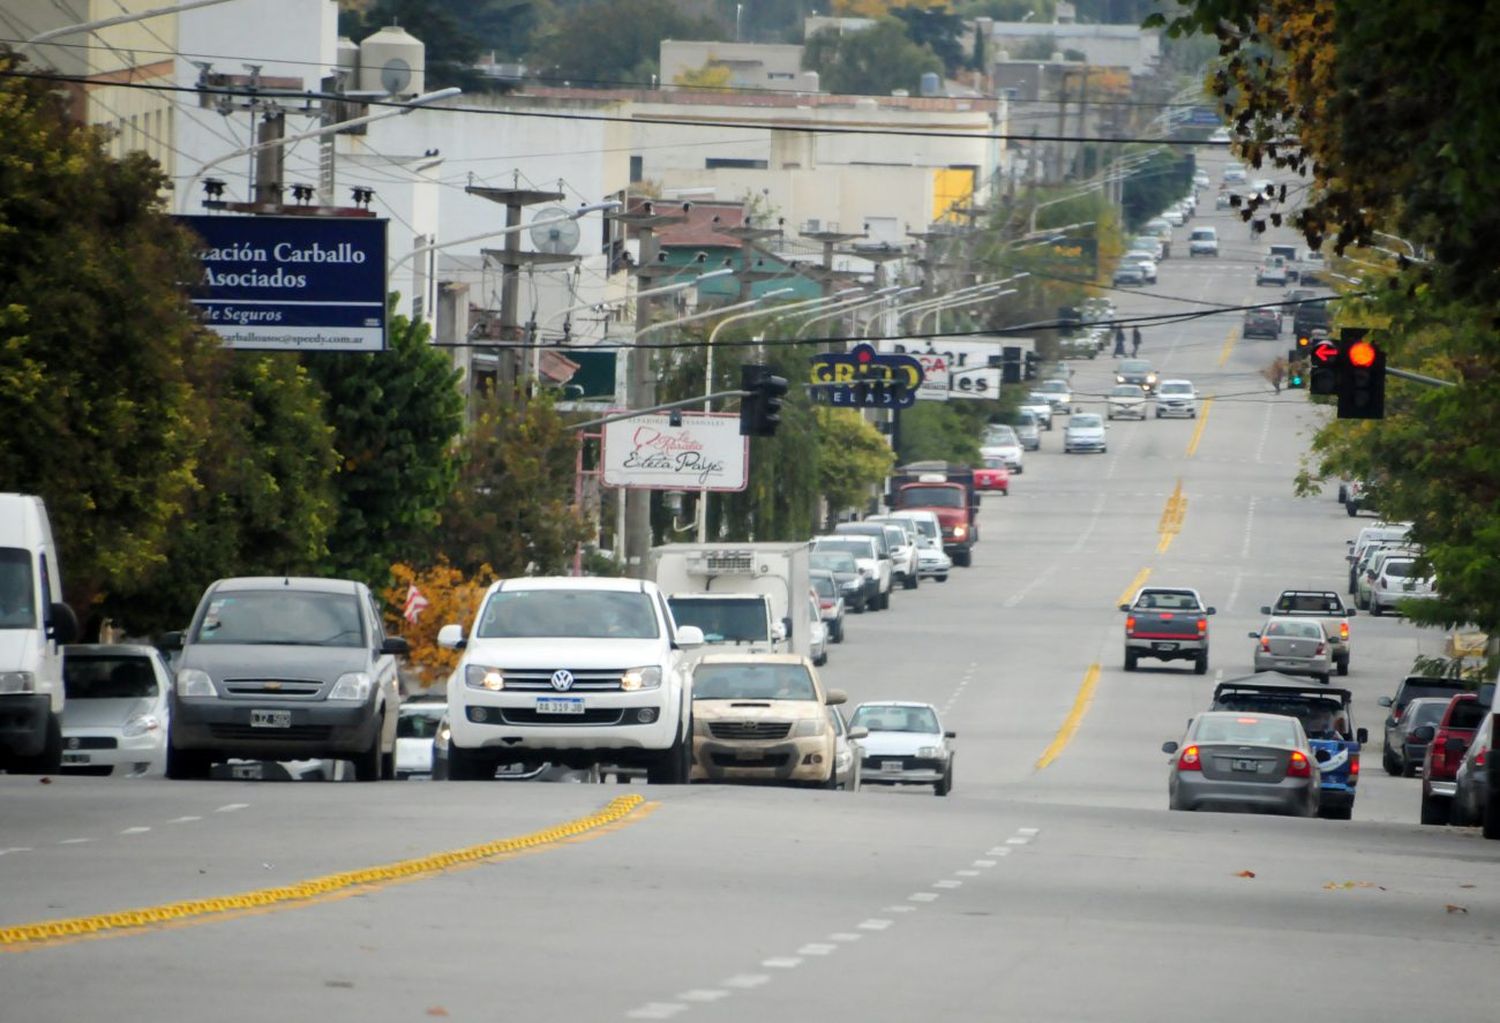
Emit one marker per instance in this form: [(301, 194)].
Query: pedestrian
[(1135, 340), (1119, 340)]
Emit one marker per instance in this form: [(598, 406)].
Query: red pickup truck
[(1446, 747), (1167, 624), (949, 492)]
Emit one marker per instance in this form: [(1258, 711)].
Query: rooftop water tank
[(932, 85), (392, 61), (347, 60)]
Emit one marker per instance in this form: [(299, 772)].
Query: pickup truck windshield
[(722, 621), (834, 561), (1168, 600), (895, 719), (1311, 603), (752, 682), (17, 607), (570, 614), (282, 617), (932, 497)]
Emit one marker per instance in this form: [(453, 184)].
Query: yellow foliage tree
[(451, 597), (709, 76)]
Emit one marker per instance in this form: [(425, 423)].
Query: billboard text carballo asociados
[(293, 283)]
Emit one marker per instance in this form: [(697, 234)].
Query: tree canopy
[(609, 41), (873, 61)]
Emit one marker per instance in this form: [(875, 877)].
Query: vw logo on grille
[(562, 680)]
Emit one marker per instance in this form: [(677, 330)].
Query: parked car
[(1369, 567), (1446, 747), (1176, 398), (1129, 274), (763, 717), (1125, 401), (416, 726), (1144, 261), (1471, 781), (906, 745), (932, 561), (1379, 532), (830, 603), (845, 570), (1261, 323), (117, 712), (903, 547), (1039, 405), (1001, 442), (848, 756), (817, 637), (992, 476), (1411, 688), (874, 566), (285, 668), (897, 571), (1085, 432), (1059, 392), (1415, 730), (1203, 241), (1293, 646), (1149, 243), (1233, 760), (1397, 580)]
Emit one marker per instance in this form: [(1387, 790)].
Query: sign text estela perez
[(293, 283), (706, 452)]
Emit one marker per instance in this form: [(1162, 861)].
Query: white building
[(774, 66), (1127, 46)]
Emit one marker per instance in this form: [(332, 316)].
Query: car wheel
[(367, 764), (885, 601), (838, 632), (1408, 768), (942, 578), (1200, 664), (1343, 665), (187, 765), (468, 765), (1130, 660), (832, 781), (1436, 810), (1322, 679), (49, 760), (1491, 813), (1351, 509), (945, 786), (909, 582), (674, 765), (1390, 763)]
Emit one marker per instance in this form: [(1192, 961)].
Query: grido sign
[(292, 283), (706, 452)]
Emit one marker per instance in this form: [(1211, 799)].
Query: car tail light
[(1130, 623), (1188, 760), (1353, 767), (1320, 651), (1202, 626), (1298, 766), (1265, 643), (1479, 757), (1343, 630), (1166, 616), (825, 604)]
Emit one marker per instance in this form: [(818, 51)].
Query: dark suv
[(1308, 315), (284, 669), (1412, 687)]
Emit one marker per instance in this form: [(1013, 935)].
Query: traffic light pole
[(669, 406), (1418, 378)]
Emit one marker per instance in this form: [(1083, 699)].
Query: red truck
[(947, 491)]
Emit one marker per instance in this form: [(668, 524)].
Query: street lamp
[(667, 289), (848, 306), (582, 211)]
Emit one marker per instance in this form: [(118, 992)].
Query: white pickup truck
[(574, 671)]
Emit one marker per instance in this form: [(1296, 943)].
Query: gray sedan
[(1293, 646), (1230, 760)]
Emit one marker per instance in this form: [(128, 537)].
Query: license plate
[(747, 754), (1246, 765), (890, 765), (270, 719), (245, 772), (1164, 646), (559, 705), (75, 758)]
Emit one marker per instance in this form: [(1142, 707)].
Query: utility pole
[(1083, 169), (1062, 126), (269, 162)]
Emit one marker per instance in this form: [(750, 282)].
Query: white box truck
[(34, 624), (752, 596)]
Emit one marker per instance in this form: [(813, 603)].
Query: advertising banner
[(705, 453), (292, 283), (973, 363)]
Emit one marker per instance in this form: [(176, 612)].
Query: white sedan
[(1085, 432), (1126, 401), (117, 715), (906, 745), (416, 726), (1176, 398)]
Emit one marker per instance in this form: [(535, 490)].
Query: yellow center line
[(1135, 584), (1234, 335), (1171, 519), (619, 811), (1192, 448), (1073, 720)]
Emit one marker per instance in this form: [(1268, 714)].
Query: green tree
[(395, 415), (936, 28), (512, 508), (873, 61), (455, 32), (264, 500), (610, 41), (940, 431), (853, 457), (98, 344)]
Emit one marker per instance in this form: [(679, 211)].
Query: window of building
[(728, 163), (637, 168)]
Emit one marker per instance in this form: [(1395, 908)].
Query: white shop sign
[(705, 453)]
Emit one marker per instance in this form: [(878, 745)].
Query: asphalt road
[(1053, 884)]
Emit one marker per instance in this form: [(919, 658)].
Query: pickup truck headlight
[(648, 677), (193, 682), (353, 686), (14, 682), (479, 676), (806, 728), (141, 724), (931, 752)]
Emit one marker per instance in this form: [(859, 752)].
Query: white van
[(34, 624)]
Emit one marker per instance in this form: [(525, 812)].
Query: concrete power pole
[(269, 162)]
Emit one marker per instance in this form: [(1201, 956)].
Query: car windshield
[(994, 463), (1054, 387), (1000, 435), (1135, 366), (1177, 389), (1416, 690), (1321, 603), (1025, 419), (1468, 714), (751, 681), (1295, 630), (933, 497), (825, 586), (102, 677), (833, 561), (926, 527), (1245, 728), (419, 723), (895, 536), (1125, 391), (1202, 234), (1320, 718), (1088, 422), (873, 530), (282, 617), (1168, 600), (852, 547), (1398, 569), (17, 600), (575, 614), (723, 620), (895, 719)]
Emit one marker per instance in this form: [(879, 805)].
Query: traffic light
[(760, 410), (1068, 321), (1296, 368), (1323, 376), (1361, 376), (1009, 363), (1031, 361)]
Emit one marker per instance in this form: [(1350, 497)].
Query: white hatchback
[(1176, 398), (1204, 241)]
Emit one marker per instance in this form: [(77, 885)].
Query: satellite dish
[(395, 76), (558, 237)]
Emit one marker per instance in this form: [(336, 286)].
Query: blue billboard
[(292, 283)]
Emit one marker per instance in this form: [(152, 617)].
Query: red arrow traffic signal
[(1326, 352)]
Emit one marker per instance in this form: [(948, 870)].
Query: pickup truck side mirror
[(1384, 701), (1253, 635), (451, 637), (858, 732), (1423, 733), (1265, 609), (170, 641), (395, 645), (1169, 747), (1211, 611), (1124, 607), (780, 630), (1350, 612), (689, 637), (1362, 736), (834, 697)]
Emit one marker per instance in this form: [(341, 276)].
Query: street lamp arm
[(963, 301), (708, 313), (582, 211), (858, 302), (120, 19), (666, 289)]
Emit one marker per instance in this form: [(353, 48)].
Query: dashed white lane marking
[(966, 873), (704, 995), (135, 831), (844, 936), (1234, 591), (657, 1010), (1033, 832), (1018, 840), (746, 981), (874, 925), (947, 884), (922, 897), (231, 807), (782, 962), (183, 820), (898, 909), (817, 948), (984, 863), (16, 849), (74, 841), (1249, 530), (999, 850)]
